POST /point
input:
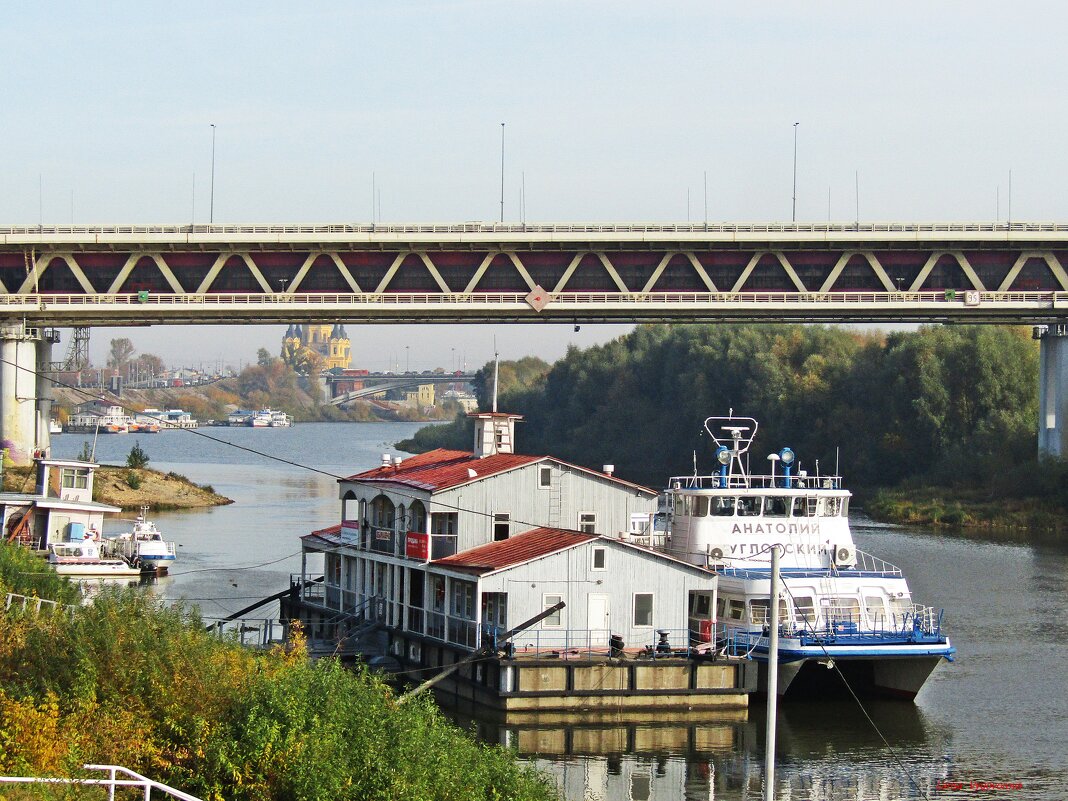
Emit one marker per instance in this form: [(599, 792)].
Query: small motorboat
[(85, 559), (144, 546)]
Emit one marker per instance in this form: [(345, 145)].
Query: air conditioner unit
[(845, 555), (715, 556)]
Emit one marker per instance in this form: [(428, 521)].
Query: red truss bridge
[(479, 272)]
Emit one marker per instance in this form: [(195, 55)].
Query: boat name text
[(776, 528)]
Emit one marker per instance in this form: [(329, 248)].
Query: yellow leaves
[(30, 738)]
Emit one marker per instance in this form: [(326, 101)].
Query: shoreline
[(963, 512), (132, 488)]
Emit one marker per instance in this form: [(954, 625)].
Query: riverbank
[(969, 509), (132, 488)]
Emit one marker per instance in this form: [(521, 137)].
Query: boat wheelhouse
[(840, 606)]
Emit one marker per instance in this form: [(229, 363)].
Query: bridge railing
[(940, 297), (282, 230)]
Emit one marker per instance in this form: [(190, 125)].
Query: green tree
[(136, 458)]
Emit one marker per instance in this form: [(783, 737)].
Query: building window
[(643, 609), (588, 522), (545, 476), (556, 619), (463, 599), (74, 478), (599, 558), (501, 526)]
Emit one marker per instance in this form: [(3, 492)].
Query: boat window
[(721, 607), (700, 605), (873, 608), (588, 522), (736, 609), (748, 507), (700, 506), (804, 611), (776, 506), (643, 609), (463, 599), (723, 507), (758, 611), (832, 507), (839, 609), (899, 609), (555, 620), (805, 507)]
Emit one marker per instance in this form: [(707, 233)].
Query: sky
[(613, 111)]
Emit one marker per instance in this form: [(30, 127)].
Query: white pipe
[(773, 677)]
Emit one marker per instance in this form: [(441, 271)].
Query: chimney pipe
[(609, 469)]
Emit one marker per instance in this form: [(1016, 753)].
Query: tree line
[(945, 403)]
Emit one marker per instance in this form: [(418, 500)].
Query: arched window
[(382, 512), (417, 517), (349, 510)]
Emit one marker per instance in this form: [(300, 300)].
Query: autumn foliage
[(128, 680)]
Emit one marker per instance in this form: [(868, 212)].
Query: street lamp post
[(502, 172), (211, 206), (793, 216)]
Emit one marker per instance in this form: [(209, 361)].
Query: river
[(998, 714)]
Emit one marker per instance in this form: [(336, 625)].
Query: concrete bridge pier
[(1052, 389), (25, 390)]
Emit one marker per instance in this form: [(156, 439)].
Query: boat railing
[(117, 777), (915, 623), (735, 481), (312, 587), (873, 564)]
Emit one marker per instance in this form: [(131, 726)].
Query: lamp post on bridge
[(211, 206), (793, 216), (502, 172)]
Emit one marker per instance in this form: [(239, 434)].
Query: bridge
[(375, 383), (582, 273)]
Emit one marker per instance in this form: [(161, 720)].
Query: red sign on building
[(417, 545)]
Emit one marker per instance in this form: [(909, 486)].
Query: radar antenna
[(733, 440)]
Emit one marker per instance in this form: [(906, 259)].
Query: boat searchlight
[(723, 456), (787, 457)]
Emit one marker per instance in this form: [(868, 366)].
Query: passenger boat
[(144, 546), (840, 608), (261, 419), (85, 559)]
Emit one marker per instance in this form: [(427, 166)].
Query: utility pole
[(211, 207)]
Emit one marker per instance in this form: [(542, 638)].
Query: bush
[(137, 458), (132, 682), (133, 480)]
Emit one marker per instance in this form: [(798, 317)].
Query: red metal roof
[(514, 550), (442, 469)]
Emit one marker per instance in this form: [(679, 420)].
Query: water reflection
[(824, 751)]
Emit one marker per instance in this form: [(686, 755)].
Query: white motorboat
[(85, 559), (144, 546), (840, 607)]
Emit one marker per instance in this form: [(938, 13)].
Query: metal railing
[(117, 777), (335, 229), (937, 299), (33, 605), (806, 482)]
